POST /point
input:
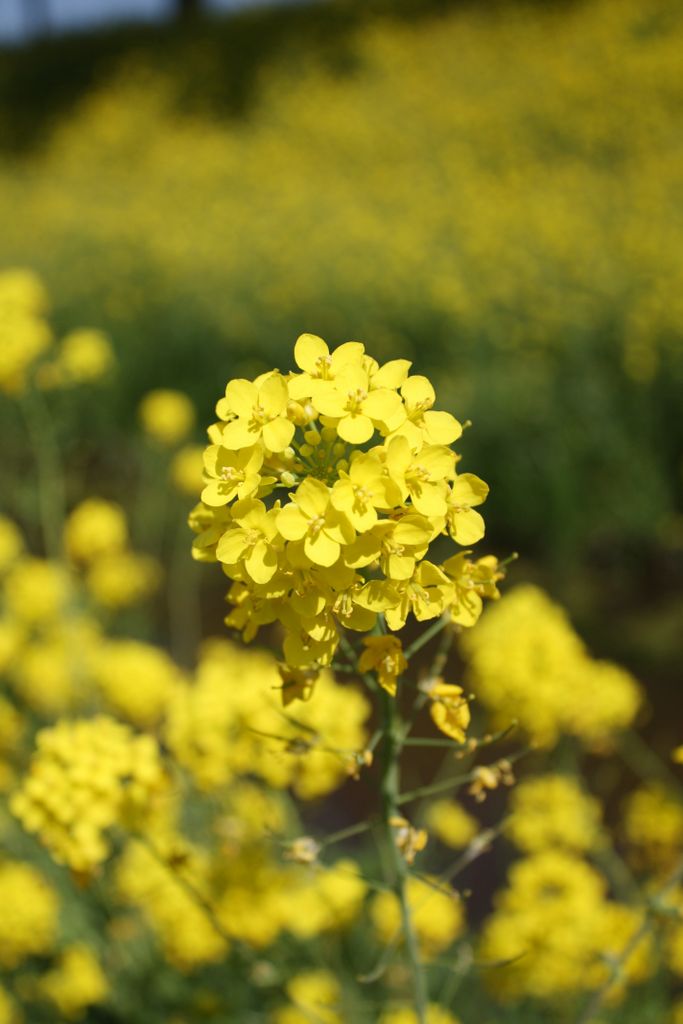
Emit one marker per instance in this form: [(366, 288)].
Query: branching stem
[(390, 782)]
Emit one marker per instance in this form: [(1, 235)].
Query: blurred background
[(493, 190)]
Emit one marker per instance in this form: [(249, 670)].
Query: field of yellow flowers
[(364, 766), (306, 818)]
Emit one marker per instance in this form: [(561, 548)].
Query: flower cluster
[(24, 332), (75, 983), (325, 491), (28, 923), (86, 777), (27, 352), (218, 731), (528, 664), (96, 541), (552, 811), (554, 930)]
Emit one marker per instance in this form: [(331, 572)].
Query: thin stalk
[(390, 801), (646, 763), (455, 781), (51, 492), (425, 637)]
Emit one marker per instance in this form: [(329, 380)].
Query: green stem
[(425, 637), (646, 763), (390, 800), (455, 781), (51, 496)]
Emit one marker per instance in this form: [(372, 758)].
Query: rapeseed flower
[(94, 528), (86, 777), (167, 416), (28, 923)]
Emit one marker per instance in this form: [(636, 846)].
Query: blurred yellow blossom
[(24, 334), (653, 825), (315, 995), (76, 983), (94, 528), (37, 591), (167, 416), (135, 679), (28, 923), (9, 1011), (187, 470), (553, 812), (437, 912), (121, 578), (553, 930), (404, 1015), (451, 823), (83, 356), (527, 664)]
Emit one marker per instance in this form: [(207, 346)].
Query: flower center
[(322, 367), (355, 399)]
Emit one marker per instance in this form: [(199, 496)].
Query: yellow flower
[(232, 474), (312, 518), (465, 525), (424, 424), (24, 334), (9, 1011), (363, 490), (551, 812), (315, 995), (122, 578), (409, 841), (426, 594), (135, 679), (167, 416), (85, 777), (436, 910), (353, 540), (451, 823), (260, 411), (449, 709), (251, 540), (422, 476), (312, 355), (186, 471), (528, 664), (357, 406), (384, 655), (95, 527), (29, 919), (76, 983), (84, 356), (404, 1015), (37, 591)]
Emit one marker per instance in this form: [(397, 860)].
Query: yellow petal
[(241, 396), (355, 428), (277, 434), (309, 348)]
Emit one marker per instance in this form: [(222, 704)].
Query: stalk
[(390, 790), (51, 498)]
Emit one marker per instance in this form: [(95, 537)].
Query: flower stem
[(424, 638), (51, 498), (390, 798)]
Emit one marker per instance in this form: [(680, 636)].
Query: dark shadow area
[(214, 60)]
